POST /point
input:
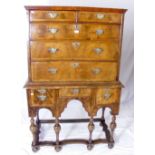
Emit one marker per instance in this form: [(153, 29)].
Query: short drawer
[(74, 50), (73, 71), (107, 95), (71, 31), (103, 17), (41, 97), (52, 16), (74, 92)]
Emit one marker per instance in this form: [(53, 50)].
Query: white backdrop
[(13, 65)]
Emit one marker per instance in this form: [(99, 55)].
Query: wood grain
[(114, 96), (36, 102), (65, 71), (40, 31), (67, 51), (71, 92), (92, 17), (47, 16)]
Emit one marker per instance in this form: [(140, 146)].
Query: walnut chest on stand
[(74, 53)]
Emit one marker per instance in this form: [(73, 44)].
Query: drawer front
[(52, 16), (74, 92), (71, 31), (41, 97), (73, 71), (100, 17), (107, 96), (83, 50)]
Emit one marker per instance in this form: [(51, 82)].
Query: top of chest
[(75, 14)]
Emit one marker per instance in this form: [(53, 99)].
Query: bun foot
[(58, 148), (90, 147), (35, 148), (110, 145)]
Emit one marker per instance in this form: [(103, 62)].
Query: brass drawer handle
[(107, 95), (76, 29), (41, 91), (53, 70), (98, 50), (76, 44), (75, 65), (42, 97), (75, 91), (32, 93), (96, 71), (100, 16), (53, 50), (99, 32), (53, 30), (53, 14)]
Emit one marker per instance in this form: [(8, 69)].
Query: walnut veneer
[(74, 53)]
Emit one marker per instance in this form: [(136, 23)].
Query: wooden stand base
[(59, 143)]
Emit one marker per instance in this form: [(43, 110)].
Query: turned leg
[(102, 117), (105, 127), (90, 128), (112, 128), (35, 131), (38, 124), (57, 129)]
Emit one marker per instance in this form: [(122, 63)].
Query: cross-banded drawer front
[(52, 16), (73, 71), (41, 97), (107, 96), (103, 17), (69, 50), (74, 92), (83, 16), (72, 31)]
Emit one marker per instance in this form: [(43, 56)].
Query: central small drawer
[(74, 92), (73, 71), (72, 31), (73, 50)]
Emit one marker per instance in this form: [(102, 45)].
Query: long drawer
[(72, 31), (73, 50), (83, 16), (73, 71)]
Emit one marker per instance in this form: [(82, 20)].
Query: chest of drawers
[(73, 53)]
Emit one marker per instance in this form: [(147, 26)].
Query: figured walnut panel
[(75, 49), (52, 16), (74, 92), (37, 99), (74, 71), (107, 96), (66, 31), (57, 99), (103, 17)]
